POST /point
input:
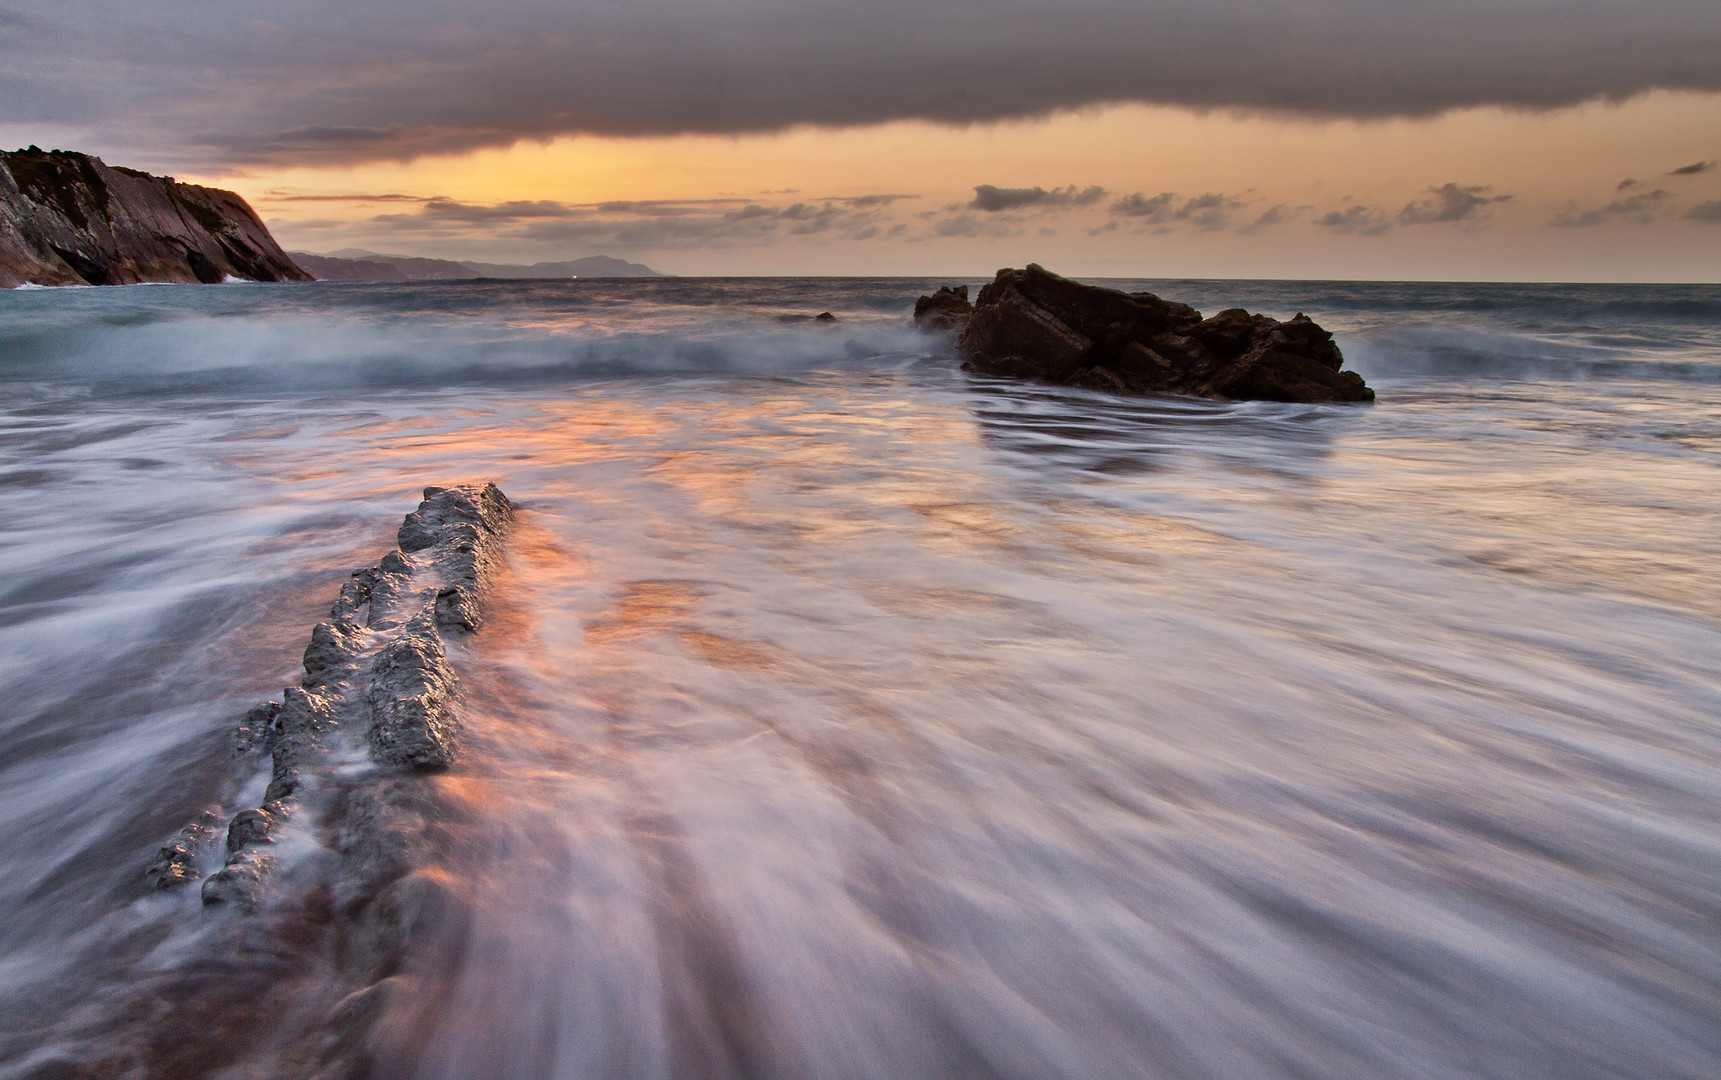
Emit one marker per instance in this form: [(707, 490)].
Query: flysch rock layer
[(1034, 324), (378, 705), (71, 219), (326, 897)]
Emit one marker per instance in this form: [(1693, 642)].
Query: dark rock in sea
[(412, 690), (824, 316), (946, 309), (250, 827), (70, 219), (240, 883), (175, 863), (378, 682), (1034, 324), (334, 646), (256, 733)]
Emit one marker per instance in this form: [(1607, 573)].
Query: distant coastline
[(352, 264)]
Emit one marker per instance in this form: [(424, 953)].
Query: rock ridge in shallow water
[(379, 699), (1034, 324)]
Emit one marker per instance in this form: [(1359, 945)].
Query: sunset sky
[(1241, 138)]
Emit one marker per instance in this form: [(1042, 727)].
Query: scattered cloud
[(1708, 213), (1450, 203), (1209, 212), (278, 196), (663, 207), (1692, 169), (1273, 215), (466, 213), (638, 225), (862, 202), (1205, 212), (1361, 219), (1627, 184), (1636, 208), (993, 199), (1153, 208), (967, 226)]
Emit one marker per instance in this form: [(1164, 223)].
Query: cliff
[(70, 219)]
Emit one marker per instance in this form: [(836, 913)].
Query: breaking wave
[(426, 334)]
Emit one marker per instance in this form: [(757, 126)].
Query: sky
[(1443, 139)]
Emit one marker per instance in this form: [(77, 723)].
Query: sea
[(844, 714)]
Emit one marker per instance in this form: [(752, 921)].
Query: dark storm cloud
[(1693, 169), (1449, 203), (1639, 209), (995, 199), (1708, 213), (332, 81)]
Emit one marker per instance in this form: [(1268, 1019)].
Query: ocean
[(843, 714)]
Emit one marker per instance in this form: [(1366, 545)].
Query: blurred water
[(845, 715)]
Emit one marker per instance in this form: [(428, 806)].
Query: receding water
[(845, 715)]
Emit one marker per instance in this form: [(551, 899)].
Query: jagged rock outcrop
[(946, 309), (325, 895), (378, 683), (70, 219), (1034, 324)]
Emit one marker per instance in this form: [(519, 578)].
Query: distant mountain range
[(356, 264)]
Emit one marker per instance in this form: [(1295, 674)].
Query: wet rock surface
[(329, 879), (377, 674), (1031, 323), (946, 309), (72, 219)]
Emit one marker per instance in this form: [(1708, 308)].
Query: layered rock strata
[(1034, 324), (377, 706), (71, 219)]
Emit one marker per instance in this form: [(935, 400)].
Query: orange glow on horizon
[(1572, 158)]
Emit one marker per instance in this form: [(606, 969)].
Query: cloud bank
[(330, 81)]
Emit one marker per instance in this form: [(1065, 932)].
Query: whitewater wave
[(507, 333), (1400, 349), (384, 339)]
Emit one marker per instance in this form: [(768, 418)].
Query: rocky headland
[(1034, 324), (71, 219)]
